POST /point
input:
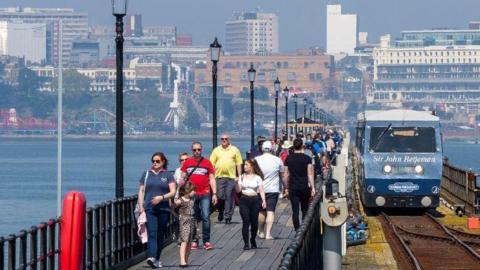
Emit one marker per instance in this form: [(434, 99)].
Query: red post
[(72, 239)]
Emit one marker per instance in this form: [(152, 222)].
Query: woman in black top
[(298, 175)]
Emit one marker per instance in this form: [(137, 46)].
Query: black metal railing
[(305, 250), (37, 248), (111, 240)]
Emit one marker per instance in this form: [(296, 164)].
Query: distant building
[(184, 40), (307, 71), (167, 35), (85, 52), (252, 33), (75, 25), (436, 74), (474, 25), (342, 31), (440, 37), (133, 25), (25, 40)]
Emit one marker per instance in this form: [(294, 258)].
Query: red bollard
[(72, 239)]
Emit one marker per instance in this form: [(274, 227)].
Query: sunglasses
[(182, 160), (224, 139), (156, 161), (197, 150)]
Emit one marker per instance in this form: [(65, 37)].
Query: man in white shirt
[(272, 167)]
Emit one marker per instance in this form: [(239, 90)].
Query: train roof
[(397, 115)]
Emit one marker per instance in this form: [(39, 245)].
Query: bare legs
[(185, 248), (265, 224)]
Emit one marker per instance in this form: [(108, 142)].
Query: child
[(187, 222)]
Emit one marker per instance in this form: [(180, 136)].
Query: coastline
[(156, 136)]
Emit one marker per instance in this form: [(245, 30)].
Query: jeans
[(249, 208), (298, 197), (226, 204), (157, 221), (202, 213)]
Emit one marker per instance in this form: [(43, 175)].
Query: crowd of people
[(288, 169)]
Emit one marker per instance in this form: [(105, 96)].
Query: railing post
[(89, 236), (96, 236), (33, 247), (2, 253), (115, 233), (108, 246), (51, 244), (102, 237), (22, 250), (11, 252), (43, 246)]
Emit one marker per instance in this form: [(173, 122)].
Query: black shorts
[(271, 199)]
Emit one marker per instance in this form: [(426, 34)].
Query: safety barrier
[(111, 240), (305, 250)]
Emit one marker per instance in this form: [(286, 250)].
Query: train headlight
[(387, 169), (419, 169), (380, 201), (426, 201)]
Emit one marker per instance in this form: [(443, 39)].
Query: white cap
[(267, 145)]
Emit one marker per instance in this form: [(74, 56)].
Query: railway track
[(421, 242)]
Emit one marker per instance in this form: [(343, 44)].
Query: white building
[(438, 74), (75, 26), (27, 40), (342, 31), (252, 33)]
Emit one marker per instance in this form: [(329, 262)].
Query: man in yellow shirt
[(227, 161)]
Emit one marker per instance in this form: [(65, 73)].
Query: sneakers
[(261, 235), (154, 263), (194, 246), (228, 221), (207, 246)]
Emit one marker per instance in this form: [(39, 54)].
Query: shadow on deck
[(228, 250)]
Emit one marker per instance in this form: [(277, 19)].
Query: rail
[(111, 240), (305, 250)]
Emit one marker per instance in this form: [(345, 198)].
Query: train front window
[(402, 139)]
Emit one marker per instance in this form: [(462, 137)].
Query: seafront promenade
[(228, 250)]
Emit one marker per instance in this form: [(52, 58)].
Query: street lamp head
[(286, 90), (251, 73), (295, 97), (119, 7), (276, 85), (215, 50)]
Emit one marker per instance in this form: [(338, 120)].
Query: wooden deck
[(228, 246)]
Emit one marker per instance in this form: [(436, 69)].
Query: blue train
[(400, 158)]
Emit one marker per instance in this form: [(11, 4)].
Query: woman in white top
[(250, 184)]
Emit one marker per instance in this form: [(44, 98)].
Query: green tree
[(28, 82), (146, 84), (73, 81), (192, 119)]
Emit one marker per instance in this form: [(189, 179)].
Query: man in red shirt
[(200, 172)]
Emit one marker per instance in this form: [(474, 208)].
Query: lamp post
[(214, 56), (251, 78), (277, 88), (119, 10), (295, 102), (285, 90)]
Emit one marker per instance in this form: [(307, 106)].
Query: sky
[(302, 22)]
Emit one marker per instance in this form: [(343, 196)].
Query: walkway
[(228, 246)]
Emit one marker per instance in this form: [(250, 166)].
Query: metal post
[(59, 119), (286, 116), (276, 115), (295, 103), (214, 110), (304, 108), (252, 131), (119, 108), (310, 114), (332, 248)]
